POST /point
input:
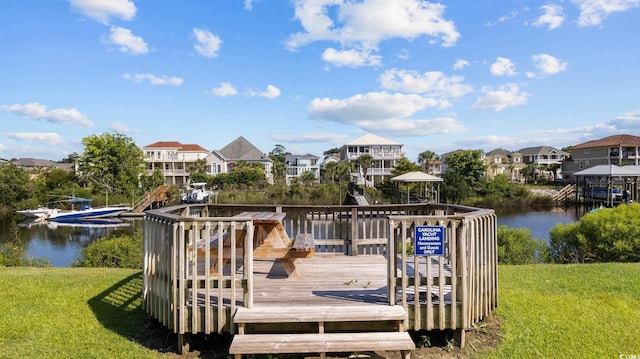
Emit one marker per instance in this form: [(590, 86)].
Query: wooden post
[(354, 231)]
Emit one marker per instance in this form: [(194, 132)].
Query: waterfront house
[(239, 150), (38, 166), (503, 162), (617, 150), (173, 159), (548, 159), (384, 153), (296, 165), (433, 167)]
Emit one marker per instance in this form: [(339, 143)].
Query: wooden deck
[(362, 282), (325, 280)]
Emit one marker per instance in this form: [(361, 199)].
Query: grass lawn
[(71, 313), (547, 311), (569, 311)]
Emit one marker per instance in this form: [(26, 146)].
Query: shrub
[(607, 235), (113, 252), (13, 253), (517, 246)]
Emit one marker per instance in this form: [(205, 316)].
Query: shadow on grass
[(119, 309)]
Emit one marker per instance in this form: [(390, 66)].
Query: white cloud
[(271, 92), (153, 79), (553, 17), (48, 138), (593, 12), (415, 127), (366, 23), (548, 64), (353, 58), (384, 112), (119, 127), (503, 67), (629, 121), (369, 107), (225, 89), (488, 142), (311, 138), (37, 111), (103, 10), (434, 83), (248, 4), (505, 96), (460, 64), (207, 44), (127, 41)]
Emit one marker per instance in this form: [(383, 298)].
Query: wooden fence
[(451, 291)]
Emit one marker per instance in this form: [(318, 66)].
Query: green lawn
[(71, 313), (569, 311), (548, 311)]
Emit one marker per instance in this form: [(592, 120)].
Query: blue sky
[(314, 74)]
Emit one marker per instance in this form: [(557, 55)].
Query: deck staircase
[(159, 195), (321, 329), (565, 193)]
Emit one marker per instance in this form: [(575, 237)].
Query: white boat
[(86, 211), (40, 212), (196, 193)]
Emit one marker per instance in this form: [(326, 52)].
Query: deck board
[(325, 279)]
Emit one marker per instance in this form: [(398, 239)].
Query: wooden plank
[(320, 342), (300, 314)]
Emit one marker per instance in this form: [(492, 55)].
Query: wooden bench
[(321, 343), (318, 341)]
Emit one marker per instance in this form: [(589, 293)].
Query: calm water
[(539, 223), (61, 244)]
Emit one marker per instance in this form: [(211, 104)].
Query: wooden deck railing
[(452, 290), (187, 297)]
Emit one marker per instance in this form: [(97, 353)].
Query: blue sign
[(429, 241)]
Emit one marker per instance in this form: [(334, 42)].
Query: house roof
[(608, 170), (416, 176), (38, 162), (371, 139), (541, 150), (241, 149), (178, 146), (611, 141), (499, 152)]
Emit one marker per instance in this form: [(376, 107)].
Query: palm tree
[(426, 156), (365, 162)]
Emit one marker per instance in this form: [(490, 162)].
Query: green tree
[(331, 152), (278, 155), (403, 165), (198, 171), (150, 183), (113, 162), (329, 172), (464, 175), (365, 162), (14, 185), (426, 156), (308, 178)]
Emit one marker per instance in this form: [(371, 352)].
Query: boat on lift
[(85, 211)]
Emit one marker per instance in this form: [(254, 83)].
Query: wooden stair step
[(311, 314), (320, 343)]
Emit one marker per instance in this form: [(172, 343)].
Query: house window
[(587, 151)]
